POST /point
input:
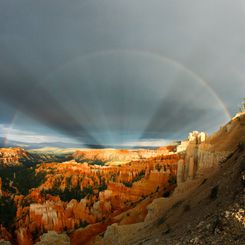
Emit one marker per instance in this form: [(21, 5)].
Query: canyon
[(119, 196)]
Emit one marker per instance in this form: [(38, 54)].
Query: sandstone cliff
[(75, 195), (142, 201), (13, 156), (112, 155), (203, 154), (207, 207), (52, 238)]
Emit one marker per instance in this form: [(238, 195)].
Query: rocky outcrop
[(74, 195), (197, 137), (110, 155), (200, 157), (5, 236), (126, 203), (201, 185), (2, 242), (52, 238), (23, 236), (13, 156), (59, 216)]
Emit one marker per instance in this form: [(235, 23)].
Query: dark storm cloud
[(121, 93), (22, 92), (180, 112), (7, 113), (170, 123)]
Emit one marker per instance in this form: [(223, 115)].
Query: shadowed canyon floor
[(188, 193)]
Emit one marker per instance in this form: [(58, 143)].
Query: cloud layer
[(91, 70)]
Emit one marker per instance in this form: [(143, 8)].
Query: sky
[(126, 72)]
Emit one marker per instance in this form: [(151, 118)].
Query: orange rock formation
[(112, 190)]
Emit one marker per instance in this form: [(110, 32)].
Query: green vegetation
[(177, 204), (69, 193), (158, 167), (21, 179), (113, 177), (135, 179), (187, 207), (7, 212), (45, 157), (227, 158), (83, 224), (161, 220), (214, 192), (91, 162), (26, 202), (97, 162), (241, 146), (172, 180), (166, 193), (139, 176), (127, 184), (88, 190), (102, 186)]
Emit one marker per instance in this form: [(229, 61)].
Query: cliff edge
[(207, 206)]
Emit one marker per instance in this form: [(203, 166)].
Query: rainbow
[(150, 54), (162, 59), (11, 125)]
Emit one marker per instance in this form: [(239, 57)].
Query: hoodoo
[(128, 197)]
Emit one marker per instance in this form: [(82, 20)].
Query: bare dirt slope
[(207, 208), (212, 214), (229, 135)]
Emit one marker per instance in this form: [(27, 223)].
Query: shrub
[(214, 192), (160, 221), (158, 167), (187, 207), (166, 193), (97, 162), (204, 181), (113, 177), (139, 176), (241, 146), (102, 186), (88, 190), (24, 178), (227, 158), (82, 224), (69, 194), (172, 180), (177, 204), (243, 179), (26, 202), (91, 162), (7, 211), (127, 184)]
